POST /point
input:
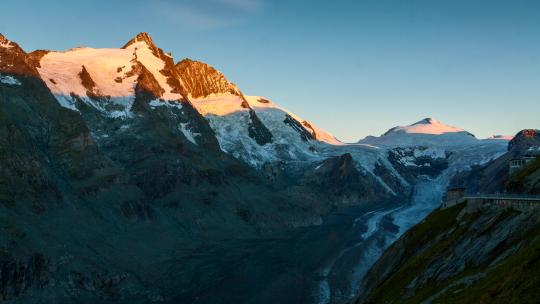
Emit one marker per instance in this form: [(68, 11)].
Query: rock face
[(524, 140), (489, 256), (201, 80), (412, 162), (20, 276), (342, 181), (14, 60)]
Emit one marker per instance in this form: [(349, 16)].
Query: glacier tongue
[(384, 226)]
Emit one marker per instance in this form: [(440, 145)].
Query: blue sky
[(352, 67)]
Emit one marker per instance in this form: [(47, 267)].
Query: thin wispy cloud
[(207, 14)]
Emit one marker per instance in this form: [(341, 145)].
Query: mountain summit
[(114, 81), (141, 37), (427, 131), (426, 126)]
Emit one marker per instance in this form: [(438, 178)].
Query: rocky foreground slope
[(453, 256)]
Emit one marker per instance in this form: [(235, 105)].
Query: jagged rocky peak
[(201, 79), (7, 45), (149, 42), (141, 37), (4, 42), (14, 60)]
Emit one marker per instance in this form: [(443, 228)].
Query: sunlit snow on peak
[(427, 126)]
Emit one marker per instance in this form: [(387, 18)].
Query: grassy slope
[(417, 254), (514, 280)]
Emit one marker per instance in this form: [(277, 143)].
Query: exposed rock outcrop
[(201, 80), (524, 140)]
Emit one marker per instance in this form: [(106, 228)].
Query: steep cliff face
[(490, 255), (14, 60), (201, 80)]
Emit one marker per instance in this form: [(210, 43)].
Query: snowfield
[(427, 132)]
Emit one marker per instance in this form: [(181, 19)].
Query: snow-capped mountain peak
[(426, 132), (201, 80), (106, 78), (426, 126), (111, 79)]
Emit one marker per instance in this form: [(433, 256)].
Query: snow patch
[(109, 70), (275, 116), (10, 80), (184, 127), (154, 65), (500, 137), (219, 105), (154, 103), (112, 74), (229, 117)]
